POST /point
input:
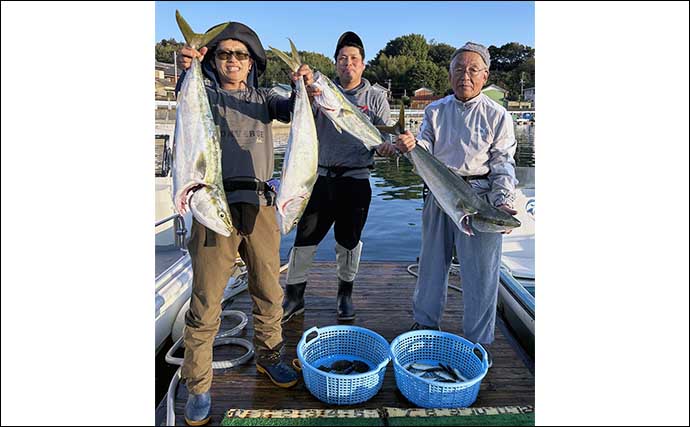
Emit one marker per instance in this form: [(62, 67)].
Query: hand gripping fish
[(301, 154), (196, 165), (454, 196)]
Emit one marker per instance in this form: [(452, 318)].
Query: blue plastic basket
[(433, 347), (337, 343)]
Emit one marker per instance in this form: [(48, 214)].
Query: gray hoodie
[(342, 149)]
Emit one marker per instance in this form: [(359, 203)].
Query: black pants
[(343, 201)]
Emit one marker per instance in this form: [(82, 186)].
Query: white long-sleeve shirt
[(473, 138)]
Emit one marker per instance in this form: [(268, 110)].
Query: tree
[(442, 82), (412, 45), (510, 63), (394, 68), (277, 71), (440, 53), (423, 74), (319, 62), (509, 56), (166, 48)]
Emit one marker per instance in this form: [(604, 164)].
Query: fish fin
[(396, 129), (197, 40)]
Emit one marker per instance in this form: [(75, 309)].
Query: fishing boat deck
[(382, 300)]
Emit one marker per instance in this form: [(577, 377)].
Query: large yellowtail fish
[(196, 166), (454, 195), (344, 115), (301, 154)]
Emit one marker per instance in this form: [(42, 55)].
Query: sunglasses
[(225, 55)]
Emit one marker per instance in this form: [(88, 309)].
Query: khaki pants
[(212, 266)]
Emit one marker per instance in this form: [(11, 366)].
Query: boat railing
[(179, 227), (163, 155), (521, 295)]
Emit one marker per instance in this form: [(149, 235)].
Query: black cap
[(246, 35), (349, 39)]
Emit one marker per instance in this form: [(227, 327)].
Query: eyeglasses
[(225, 55), (473, 71)]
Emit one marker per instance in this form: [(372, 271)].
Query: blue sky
[(316, 26)]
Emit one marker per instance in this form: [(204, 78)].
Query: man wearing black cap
[(342, 194), (232, 64)]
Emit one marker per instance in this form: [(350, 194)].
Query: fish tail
[(197, 40), (398, 128), (401, 118), (293, 62)]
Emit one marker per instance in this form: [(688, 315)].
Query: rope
[(454, 269)]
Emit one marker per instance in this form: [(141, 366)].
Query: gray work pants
[(480, 261)]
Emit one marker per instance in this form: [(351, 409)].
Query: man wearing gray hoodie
[(342, 194)]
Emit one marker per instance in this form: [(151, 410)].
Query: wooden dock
[(383, 302)]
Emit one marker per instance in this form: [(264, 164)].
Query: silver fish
[(301, 154), (343, 114), (196, 166), (453, 194)]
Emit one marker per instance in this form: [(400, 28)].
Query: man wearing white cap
[(472, 135)]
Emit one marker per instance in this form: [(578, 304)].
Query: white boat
[(173, 283), (516, 301), (173, 263)]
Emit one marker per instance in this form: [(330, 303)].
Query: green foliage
[(511, 63), (166, 48), (412, 45), (395, 68), (509, 56), (440, 53), (428, 74), (319, 62), (278, 72), (410, 63)]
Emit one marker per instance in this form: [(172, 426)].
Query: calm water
[(393, 229)]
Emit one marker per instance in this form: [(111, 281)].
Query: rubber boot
[(280, 373), (198, 408), (344, 302), (347, 264), (293, 304)]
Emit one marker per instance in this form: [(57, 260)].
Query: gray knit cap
[(476, 48)]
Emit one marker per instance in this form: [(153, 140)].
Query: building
[(423, 97), (528, 95), (496, 93), (165, 80), (423, 91)]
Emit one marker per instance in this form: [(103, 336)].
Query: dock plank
[(383, 302)]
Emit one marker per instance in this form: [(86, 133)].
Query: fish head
[(290, 212), (209, 207), (495, 221)]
